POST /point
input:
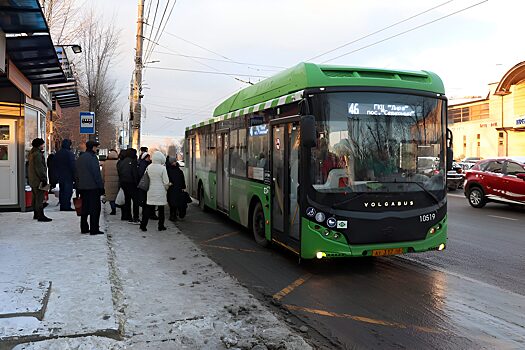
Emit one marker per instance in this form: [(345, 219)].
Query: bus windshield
[(378, 142)]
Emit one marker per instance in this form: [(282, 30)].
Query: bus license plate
[(381, 252)]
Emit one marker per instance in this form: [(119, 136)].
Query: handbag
[(187, 197), (77, 202), (144, 182), (120, 200)]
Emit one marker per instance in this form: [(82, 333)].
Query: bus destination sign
[(381, 109)]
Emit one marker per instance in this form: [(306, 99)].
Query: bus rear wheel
[(202, 205), (258, 225)]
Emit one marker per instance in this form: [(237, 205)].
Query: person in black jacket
[(65, 169), (128, 173), (90, 186), (176, 193), (52, 170)]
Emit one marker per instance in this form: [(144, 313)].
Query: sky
[(468, 50)]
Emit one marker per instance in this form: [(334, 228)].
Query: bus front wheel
[(258, 225)]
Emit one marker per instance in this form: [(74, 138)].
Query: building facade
[(493, 126), (29, 64)]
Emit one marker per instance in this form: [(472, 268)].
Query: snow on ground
[(177, 298), (31, 252), (168, 294)]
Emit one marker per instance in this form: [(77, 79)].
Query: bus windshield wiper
[(430, 194)]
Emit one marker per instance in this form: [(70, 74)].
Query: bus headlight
[(441, 246), (320, 255)]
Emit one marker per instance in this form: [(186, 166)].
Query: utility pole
[(137, 81)]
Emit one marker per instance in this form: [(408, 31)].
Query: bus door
[(192, 175), (285, 182), (223, 171)]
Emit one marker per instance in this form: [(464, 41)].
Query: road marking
[(288, 289), (285, 246), (230, 248), (503, 217), (229, 234), (360, 319), (456, 195)]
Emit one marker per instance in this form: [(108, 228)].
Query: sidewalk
[(125, 290)]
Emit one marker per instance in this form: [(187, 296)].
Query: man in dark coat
[(128, 174), (37, 176), (176, 194), (52, 170), (65, 168), (90, 187)]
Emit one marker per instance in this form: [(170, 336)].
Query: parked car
[(495, 180), (455, 177), (469, 162)]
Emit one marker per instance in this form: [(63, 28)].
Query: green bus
[(329, 161)]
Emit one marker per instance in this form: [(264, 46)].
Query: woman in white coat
[(157, 192)]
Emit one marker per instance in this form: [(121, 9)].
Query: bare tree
[(63, 19), (99, 41)]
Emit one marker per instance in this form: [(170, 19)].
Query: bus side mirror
[(308, 131), (450, 152)]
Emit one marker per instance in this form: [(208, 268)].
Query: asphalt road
[(472, 295)]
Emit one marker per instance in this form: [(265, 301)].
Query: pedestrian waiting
[(90, 187), (65, 170), (128, 174), (156, 191), (144, 162), (177, 195), (37, 176), (110, 176)]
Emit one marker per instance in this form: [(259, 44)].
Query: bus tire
[(476, 197), (258, 225), (202, 203)]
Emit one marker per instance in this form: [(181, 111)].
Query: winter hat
[(159, 158), (66, 143), (37, 142), (91, 144)]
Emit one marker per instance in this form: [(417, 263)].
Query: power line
[(219, 60), (203, 64), (155, 38), (152, 25), (208, 66), (165, 24), (210, 72), (406, 31), (381, 30), (210, 51)]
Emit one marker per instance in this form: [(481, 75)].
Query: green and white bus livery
[(329, 161)]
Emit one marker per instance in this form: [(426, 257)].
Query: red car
[(495, 180)]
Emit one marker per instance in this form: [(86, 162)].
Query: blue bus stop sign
[(87, 122)]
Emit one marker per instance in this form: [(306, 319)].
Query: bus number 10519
[(427, 217)]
